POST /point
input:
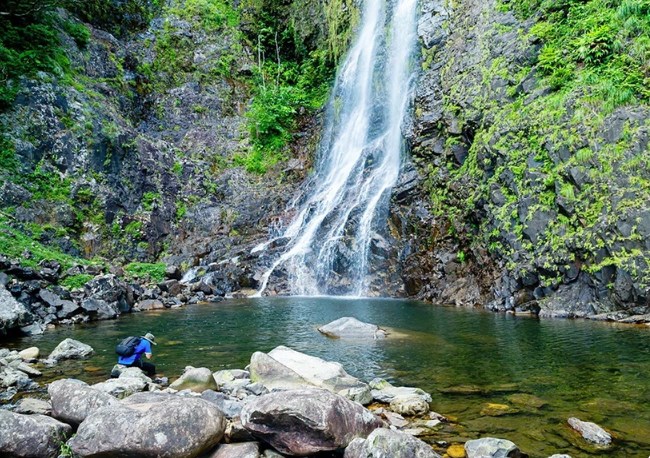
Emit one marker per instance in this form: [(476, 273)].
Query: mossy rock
[(525, 400), (498, 410)]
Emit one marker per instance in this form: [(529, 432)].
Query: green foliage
[(134, 229), (76, 281), (14, 243), (149, 199), (8, 160), (155, 271), (118, 17), (79, 32), (213, 15), (27, 46)]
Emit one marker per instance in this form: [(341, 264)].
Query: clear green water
[(465, 358)]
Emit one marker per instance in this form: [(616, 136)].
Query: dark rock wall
[(526, 201)]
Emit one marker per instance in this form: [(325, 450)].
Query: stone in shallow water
[(526, 400), (591, 432), (384, 442), (497, 410), (456, 451), (71, 349), (351, 328), (491, 447)]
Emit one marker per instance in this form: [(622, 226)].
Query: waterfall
[(346, 200)]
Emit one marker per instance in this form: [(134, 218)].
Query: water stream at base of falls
[(345, 202)]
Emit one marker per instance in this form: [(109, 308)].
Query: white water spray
[(360, 157)]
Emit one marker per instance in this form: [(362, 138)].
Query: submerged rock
[(303, 422), (591, 432), (151, 424), (351, 328), (31, 436)]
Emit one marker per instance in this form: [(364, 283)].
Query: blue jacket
[(143, 347)]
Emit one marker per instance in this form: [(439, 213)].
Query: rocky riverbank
[(284, 403)]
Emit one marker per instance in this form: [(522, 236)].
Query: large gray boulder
[(491, 447), (386, 443), (71, 349), (110, 290), (197, 379), (284, 368), (351, 328), (303, 422), (31, 436), (591, 432), (151, 425), (13, 314), (73, 400)]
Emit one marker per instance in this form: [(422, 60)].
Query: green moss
[(153, 271), (76, 281)]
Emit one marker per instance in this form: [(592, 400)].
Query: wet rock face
[(303, 422), (445, 254)]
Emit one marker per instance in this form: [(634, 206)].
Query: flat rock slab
[(31, 436), (351, 328), (151, 425), (285, 368), (386, 443), (304, 422), (591, 432)]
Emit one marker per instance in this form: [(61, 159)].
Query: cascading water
[(346, 200)]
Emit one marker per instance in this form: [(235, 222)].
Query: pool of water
[(465, 358)]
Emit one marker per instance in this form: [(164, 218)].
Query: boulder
[(409, 405), (13, 314), (386, 443), (383, 391), (31, 436), (29, 354), (98, 309), (73, 400), (112, 290), (490, 447), (32, 406), (591, 432), (197, 379), (241, 450), (131, 380), (228, 375), (351, 328), (284, 368), (150, 304), (307, 421), (71, 349), (151, 424), (231, 408)]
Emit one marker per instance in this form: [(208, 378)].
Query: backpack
[(127, 346)]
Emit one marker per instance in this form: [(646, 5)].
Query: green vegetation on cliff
[(547, 151)]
